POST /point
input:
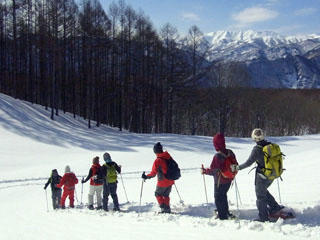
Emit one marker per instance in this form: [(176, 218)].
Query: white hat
[(67, 169), (257, 134)]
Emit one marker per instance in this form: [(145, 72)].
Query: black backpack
[(101, 175), (173, 172)]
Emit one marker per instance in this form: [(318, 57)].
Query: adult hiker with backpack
[(110, 171), (165, 182), (69, 180), (220, 169), (96, 184), (265, 175), (53, 180)]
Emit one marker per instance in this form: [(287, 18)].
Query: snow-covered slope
[(273, 60), (32, 145)]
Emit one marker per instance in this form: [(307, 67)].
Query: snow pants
[(56, 198), (221, 199), (67, 193), (95, 190), (162, 195), (110, 189), (265, 201)]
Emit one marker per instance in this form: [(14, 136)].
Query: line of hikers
[(223, 168), (102, 178)]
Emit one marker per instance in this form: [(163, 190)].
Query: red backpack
[(226, 171)]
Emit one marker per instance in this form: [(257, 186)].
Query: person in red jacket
[(96, 184), (221, 183), (69, 180), (164, 185)]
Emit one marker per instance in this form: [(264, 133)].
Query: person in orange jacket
[(69, 180), (164, 185)]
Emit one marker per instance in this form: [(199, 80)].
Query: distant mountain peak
[(268, 37), (273, 60)]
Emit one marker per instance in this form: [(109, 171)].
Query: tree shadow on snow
[(33, 121)]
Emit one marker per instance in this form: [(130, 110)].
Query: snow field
[(32, 145)]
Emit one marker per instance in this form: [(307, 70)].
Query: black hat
[(157, 148)]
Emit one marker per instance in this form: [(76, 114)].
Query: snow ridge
[(268, 37)]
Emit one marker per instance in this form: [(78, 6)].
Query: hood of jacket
[(219, 142), (164, 155)]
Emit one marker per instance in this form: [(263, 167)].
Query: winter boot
[(90, 207), (167, 209), (231, 216), (99, 208), (162, 208)]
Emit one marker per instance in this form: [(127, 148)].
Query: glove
[(44, 188), (144, 176), (203, 170), (82, 181), (234, 168)]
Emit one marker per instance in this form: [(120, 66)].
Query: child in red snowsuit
[(69, 180)]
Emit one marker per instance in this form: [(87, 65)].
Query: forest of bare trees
[(113, 67)]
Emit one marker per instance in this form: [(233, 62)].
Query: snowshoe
[(284, 213)]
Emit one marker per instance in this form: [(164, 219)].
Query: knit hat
[(157, 148), (219, 142), (107, 157), (54, 172), (95, 160), (67, 169), (257, 134)]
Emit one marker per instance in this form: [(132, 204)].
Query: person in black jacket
[(53, 180)]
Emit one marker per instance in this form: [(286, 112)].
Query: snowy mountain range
[(273, 60)]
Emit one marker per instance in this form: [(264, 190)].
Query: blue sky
[(287, 17)]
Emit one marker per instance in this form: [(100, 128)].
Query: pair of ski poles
[(141, 190), (238, 198)]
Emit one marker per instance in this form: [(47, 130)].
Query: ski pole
[(141, 195), (279, 190), (237, 189), (75, 193), (181, 201), (47, 201), (124, 189), (81, 191), (205, 186)]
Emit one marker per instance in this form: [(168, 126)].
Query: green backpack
[(111, 174), (273, 161)]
